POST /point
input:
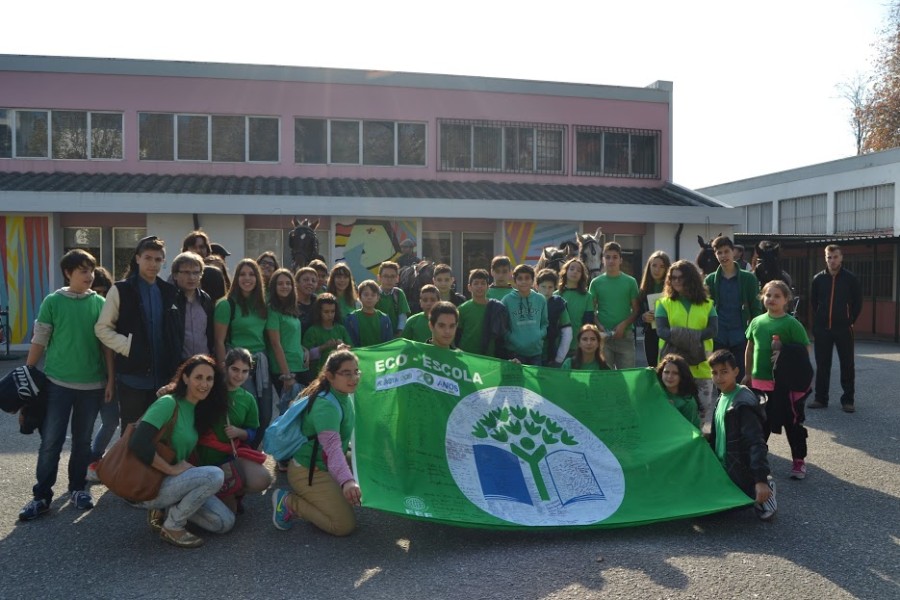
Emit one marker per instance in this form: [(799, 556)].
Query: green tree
[(528, 434)]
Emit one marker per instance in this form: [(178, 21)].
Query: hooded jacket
[(746, 452)]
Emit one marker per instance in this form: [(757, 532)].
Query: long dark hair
[(686, 386), (582, 285), (286, 306), (577, 361), (692, 283), (349, 294), (647, 281), (257, 299), (321, 300), (213, 408), (321, 385)]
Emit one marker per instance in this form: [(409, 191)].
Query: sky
[(754, 83)]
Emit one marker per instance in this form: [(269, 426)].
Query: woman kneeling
[(188, 493), (324, 491)]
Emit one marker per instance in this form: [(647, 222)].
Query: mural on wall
[(24, 278), (365, 243), (523, 241)]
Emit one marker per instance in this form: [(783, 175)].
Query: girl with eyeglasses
[(323, 489), (686, 322)]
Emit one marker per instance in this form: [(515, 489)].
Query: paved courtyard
[(837, 535)]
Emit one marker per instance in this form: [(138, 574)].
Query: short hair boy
[(737, 436), (442, 322), (392, 300), (527, 318), (615, 296), (444, 280), (559, 328), (501, 267), (483, 322), (417, 328), (368, 326)]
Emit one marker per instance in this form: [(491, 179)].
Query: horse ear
[(294, 222), (598, 233), (701, 241)]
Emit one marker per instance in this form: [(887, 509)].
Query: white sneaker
[(766, 511), (91, 476)]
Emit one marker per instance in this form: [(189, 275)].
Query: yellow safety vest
[(695, 318)]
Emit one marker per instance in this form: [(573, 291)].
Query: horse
[(552, 257), (706, 259), (768, 264), (303, 242), (411, 280), (590, 251)]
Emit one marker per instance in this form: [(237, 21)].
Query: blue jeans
[(109, 420), (82, 406), (191, 496)]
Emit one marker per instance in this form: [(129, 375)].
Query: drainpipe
[(678, 241)]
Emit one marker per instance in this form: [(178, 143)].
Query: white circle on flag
[(524, 460)]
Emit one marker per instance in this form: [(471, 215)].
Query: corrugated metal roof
[(665, 195)]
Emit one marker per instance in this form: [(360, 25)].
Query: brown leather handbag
[(126, 475)]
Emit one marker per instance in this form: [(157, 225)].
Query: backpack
[(285, 435)]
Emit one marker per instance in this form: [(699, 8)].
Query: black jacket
[(836, 299), (131, 321), (746, 452), (496, 326)]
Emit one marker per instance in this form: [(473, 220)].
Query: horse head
[(590, 251), (303, 242), (411, 280), (768, 264), (551, 258), (706, 258)]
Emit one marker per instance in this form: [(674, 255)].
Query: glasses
[(267, 263), (348, 373), (192, 274)]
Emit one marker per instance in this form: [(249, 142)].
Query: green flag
[(468, 440)]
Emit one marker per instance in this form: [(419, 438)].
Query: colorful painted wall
[(525, 240), (24, 275), (365, 243)]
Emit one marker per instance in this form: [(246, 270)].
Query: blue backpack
[(285, 435)]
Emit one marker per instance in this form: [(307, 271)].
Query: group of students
[(210, 354)]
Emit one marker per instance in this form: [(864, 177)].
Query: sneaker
[(281, 513), (91, 476), (82, 500), (34, 509), (816, 404), (798, 470), (766, 511)]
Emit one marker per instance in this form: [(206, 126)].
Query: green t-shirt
[(288, 328), (318, 335), (471, 326), (577, 304), (247, 331), (325, 416), (393, 304), (369, 327), (498, 293), (613, 297), (346, 308), (591, 366), (74, 354), (760, 332), (184, 436), (417, 328), (242, 412), (687, 406)]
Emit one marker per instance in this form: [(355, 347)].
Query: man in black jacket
[(836, 300)]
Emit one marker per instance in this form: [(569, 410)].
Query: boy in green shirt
[(80, 377), (417, 327), (559, 329), (392, 301), (483, 322), (443, 281), (369, 326), (527, 318), (615, 295), (501, 268), (325, 334), (442, 323), (737, 436)]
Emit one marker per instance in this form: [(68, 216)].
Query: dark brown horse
[(303, 242)]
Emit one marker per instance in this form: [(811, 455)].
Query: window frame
[(361, 141), (505, 129), (12, 116), (601, 161), (209, 138), (855, 213), (789, 213)]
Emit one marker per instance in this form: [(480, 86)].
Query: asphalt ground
[(837, 535)]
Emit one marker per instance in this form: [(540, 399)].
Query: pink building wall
[(133, 94)]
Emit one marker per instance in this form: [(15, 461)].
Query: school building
[(97, 153), (851, 202)]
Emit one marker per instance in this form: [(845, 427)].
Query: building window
[(85, 238), (6, 133), (221, 138), (501, 146), (632, 253), (875, 274), (125, 240), (477, 252), (436, 247), (614, 152), (758, 218), (869, 209), (354, 142), (257, 241), (60, 134), (802, 215)]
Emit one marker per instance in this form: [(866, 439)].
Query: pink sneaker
[(798, 470)]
